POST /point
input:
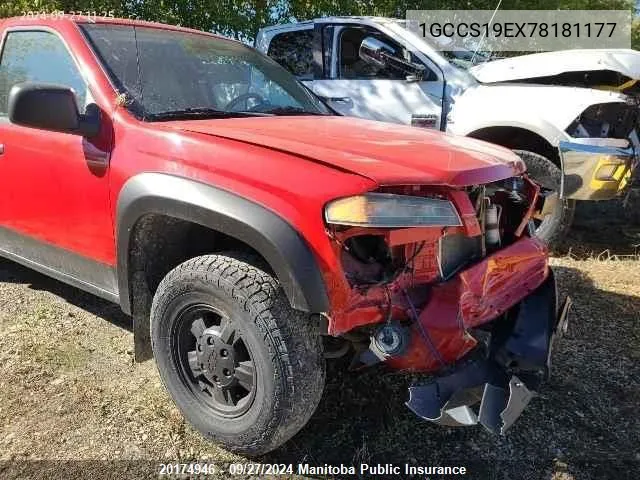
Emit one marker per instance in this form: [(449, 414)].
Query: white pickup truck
[(571, 115)]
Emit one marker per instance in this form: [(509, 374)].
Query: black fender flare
[(287, 253)]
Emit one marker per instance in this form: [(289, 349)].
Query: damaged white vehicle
[(571, 115)]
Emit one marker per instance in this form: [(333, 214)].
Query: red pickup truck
[(252, 234)]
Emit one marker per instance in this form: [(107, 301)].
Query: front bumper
[(516, 361), (597, 169)]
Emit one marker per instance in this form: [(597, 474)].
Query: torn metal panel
[(474, 297), (505, 378)]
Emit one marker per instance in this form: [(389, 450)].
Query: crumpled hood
[(385, 153), (623, 61)]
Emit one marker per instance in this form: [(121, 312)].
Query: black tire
[(283, 345), (552, 228)]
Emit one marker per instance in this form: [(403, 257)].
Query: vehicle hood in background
[(523, 105), (385, 153), (547, 64)]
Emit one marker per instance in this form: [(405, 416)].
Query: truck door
[(355, 87), (55, 209)]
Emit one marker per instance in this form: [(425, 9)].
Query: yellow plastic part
[(618, 179)]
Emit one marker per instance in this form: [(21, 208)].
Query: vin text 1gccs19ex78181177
[(251, 234)]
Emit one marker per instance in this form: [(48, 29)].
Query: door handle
[(1, 148)]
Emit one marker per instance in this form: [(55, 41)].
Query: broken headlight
[(386, 210)]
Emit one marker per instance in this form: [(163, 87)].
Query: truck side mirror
[(51, 107), (372, 50), (382, 55)]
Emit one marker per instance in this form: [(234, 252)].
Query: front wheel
[(244, 368), (553, 216)]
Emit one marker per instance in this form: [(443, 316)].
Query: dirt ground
[(69, 389)]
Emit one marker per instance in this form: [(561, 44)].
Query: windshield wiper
[(291, 111), (198, 113)]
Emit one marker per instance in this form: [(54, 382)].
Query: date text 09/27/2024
[(170, 469)]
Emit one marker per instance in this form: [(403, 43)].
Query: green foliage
[(242, 18), (635, 34)]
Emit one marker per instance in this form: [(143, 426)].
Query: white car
[(567, 113)]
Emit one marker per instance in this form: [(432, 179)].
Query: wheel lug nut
[(210, 340), (215, 378), (226, 372), (224, 353)]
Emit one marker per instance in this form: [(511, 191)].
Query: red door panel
[(55, 189)]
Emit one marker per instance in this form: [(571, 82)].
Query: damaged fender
[(475, 296)]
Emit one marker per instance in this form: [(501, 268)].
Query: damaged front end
[(465, 292), (515, 360), (599, 161)]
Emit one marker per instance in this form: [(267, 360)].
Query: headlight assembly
[(386, 210)]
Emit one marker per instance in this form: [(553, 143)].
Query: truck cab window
[(294, 51), (37, 56)]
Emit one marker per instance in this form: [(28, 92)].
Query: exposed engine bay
[(599, 79), (390, 272), (606, 120)]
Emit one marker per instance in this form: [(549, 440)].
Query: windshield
[(465, 59), (462, 56), (166, 74)]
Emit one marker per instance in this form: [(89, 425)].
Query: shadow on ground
[(605, 229), (584, 422), (11, 272)]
